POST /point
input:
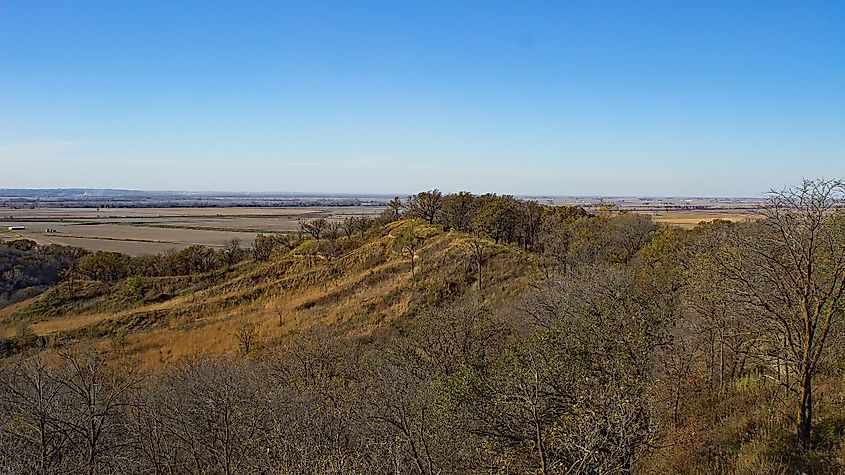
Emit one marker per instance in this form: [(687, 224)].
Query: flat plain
[(684, 212), (138, 231)]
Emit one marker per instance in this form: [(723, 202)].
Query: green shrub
[(136, 289)]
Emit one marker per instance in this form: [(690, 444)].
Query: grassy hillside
[(362, 285)]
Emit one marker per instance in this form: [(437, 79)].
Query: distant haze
[(617, 98)]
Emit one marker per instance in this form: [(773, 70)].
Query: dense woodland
[(625, 347)]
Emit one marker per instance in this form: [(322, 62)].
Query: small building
[(16, 228)]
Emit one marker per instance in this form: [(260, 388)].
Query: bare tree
[(476, 248), (332, 230), (314, 228), (426, 204), (262, 247), (349, 225), (246, 335), (572, 397), (788, 269), (395, 207), (279, 310), (529, 214), (32, 393), (95, 397), (397, 402), (232, 251), (213, 418), (408, 244), (363, 224)]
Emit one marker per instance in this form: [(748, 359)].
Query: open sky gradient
[(527, 97)]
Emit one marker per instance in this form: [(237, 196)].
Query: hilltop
[(362, 285)]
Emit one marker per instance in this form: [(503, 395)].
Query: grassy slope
[(747, 428), (367, 286)]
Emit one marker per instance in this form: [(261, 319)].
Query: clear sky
[(527, 97)]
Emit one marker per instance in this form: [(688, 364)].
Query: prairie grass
[(364, 288)]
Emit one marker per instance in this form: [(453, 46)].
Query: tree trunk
[(479, 275), (711, 370), (721, 362), (541, 447), (805, 412), (478, 264)]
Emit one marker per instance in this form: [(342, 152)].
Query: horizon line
[(313, 194)]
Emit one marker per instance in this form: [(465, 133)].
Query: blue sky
[(530, 97)]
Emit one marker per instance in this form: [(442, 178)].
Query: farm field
[(683, 212), (138, 231), (690, 219)]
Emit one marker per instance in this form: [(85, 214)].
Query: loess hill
[(362, 285)]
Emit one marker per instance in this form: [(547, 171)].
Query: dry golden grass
[(8, 310), (76, 322), (690, 219), (363, 290)]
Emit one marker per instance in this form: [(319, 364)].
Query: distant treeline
[(27, 268), (183, 203)]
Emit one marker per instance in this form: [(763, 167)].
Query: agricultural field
[(690, 219), (138, 231), (683, 212)]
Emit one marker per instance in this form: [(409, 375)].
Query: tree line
[(27, 268)]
